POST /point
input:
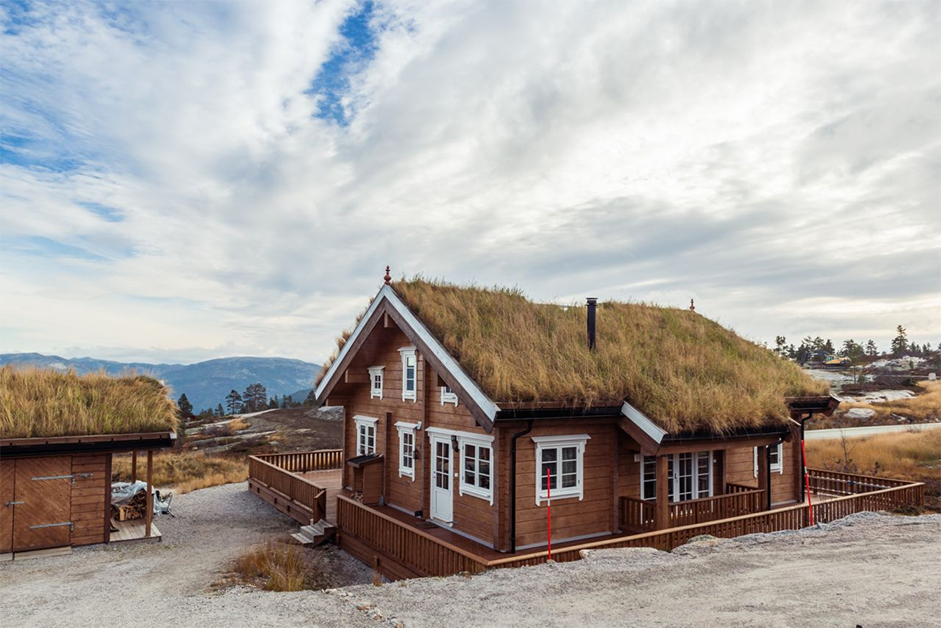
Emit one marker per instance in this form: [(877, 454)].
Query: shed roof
[(684, 371), (44, 403)]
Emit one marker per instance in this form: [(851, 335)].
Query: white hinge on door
[(13, 503), (54, 477)]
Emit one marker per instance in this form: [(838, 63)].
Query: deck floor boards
[(331, 480), (133, 530)]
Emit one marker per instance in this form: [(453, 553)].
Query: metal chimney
[(592, 307)]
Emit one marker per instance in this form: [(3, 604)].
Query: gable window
[(375, 382), (689, 476), (448, 395), (406, 448), (365, 435), (559, 466), (409, 373), (775, 457)]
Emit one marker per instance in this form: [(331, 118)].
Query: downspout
[(529, 428), (809, 416)]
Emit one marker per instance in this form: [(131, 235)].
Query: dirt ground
[(868, 570)]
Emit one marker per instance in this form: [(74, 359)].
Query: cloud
[(204, 177)]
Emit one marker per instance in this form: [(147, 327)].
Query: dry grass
[(35, 402), (184, 471), (683, 370), (278, 567), (923, 408), (914, 455)]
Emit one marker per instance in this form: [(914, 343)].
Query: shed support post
[(133, 467), (764, 477), (149, 517), (662, 512)]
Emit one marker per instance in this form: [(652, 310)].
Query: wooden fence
[(638, 514), (272, 477), (410, 552), (837, 483)]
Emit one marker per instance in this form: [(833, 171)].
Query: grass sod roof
[(44, 403), (684, 371)]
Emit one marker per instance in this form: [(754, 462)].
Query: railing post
[(662, 512)]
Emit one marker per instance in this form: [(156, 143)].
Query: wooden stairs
[(314, 534)]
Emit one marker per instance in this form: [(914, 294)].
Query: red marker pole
[(549, 507), (810, 507)]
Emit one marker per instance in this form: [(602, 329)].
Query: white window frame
[(577, 441), (675, 479), (362, 448), (776, 467), (409, 353), (448, 396), (374, 372), (404, 430), (478, 440)]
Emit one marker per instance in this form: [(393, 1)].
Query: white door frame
[(442, 499)]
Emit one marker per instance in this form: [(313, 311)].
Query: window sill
[(477, 492), (407, 474), (562, 494), (375, 395)]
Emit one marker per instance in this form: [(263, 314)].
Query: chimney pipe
[(592, 307)]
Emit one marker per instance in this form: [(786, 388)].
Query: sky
[(188, 180)]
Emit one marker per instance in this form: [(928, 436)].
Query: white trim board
[(486, 405), (639, 419)]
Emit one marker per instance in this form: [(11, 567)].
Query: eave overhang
[(94, 443)]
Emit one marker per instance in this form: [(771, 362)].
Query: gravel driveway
[(868, 569)]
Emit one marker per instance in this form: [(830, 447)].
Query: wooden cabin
[(479, 404), (58, 433)]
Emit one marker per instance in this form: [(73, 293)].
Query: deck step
[(300, 538), (315, 533)]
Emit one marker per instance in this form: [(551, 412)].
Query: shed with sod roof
[(58, 433)]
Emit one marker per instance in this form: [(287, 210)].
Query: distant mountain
[(205, 383), (301, 395)]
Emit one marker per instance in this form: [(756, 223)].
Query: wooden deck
[(332, 481), (133, 530)]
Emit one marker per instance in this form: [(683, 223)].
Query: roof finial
[(692, 306), (388, 277)]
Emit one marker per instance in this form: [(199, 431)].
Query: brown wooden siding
[(571, 517), (785, 486), (89, 516)]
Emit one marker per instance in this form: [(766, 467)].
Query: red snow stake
[(549, 507), (810, 507)]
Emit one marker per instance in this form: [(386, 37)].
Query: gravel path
[(868, 569)]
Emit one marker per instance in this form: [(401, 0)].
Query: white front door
[(442, 491)]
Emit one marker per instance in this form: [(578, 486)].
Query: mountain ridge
[(205, 383)]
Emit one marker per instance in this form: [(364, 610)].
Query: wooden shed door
[(43, 490), (7, 471)]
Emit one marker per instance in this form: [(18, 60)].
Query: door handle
[(13, 503)]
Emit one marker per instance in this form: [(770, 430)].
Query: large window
[(775, 457), (476, 476), (689, 476), (375, 381), (406, 448), (409, 373), (559, 466), (365, 435)]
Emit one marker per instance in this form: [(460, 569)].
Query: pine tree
[(900, 342), (871, 349), (233, 402), (780, 343), (185, 407), (220, 411), (273, 403), (311, 399)]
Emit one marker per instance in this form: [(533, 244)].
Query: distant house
[(473, 406), (58, 432)]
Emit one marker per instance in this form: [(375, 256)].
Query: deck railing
[(304, 461), (838, 483), (423, 554), (637, 514), (273, 477)]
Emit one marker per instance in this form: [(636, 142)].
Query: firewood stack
[(136, 508)]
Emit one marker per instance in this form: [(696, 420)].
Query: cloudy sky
[(186, 180)]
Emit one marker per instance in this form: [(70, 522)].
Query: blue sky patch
[(110, 214), (356, 49)]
